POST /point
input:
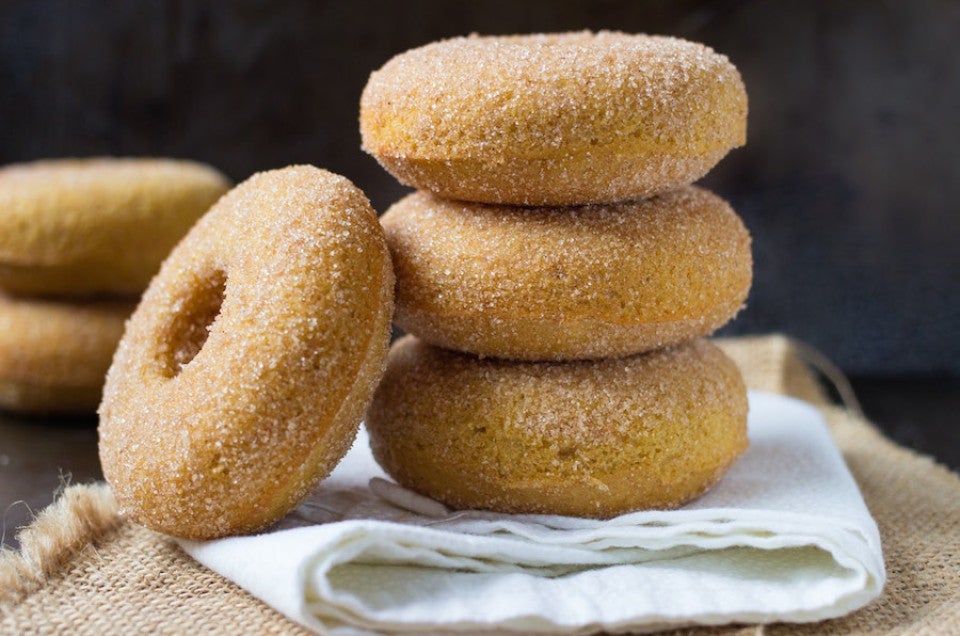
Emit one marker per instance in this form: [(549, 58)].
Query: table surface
[(39, 455)]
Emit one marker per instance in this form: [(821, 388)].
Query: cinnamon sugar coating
[(555, 119), (244, 373), (76, 227), (567, 283), (590, 438), (54, 355)]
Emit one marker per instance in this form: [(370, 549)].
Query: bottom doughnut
[(587, 438), (54, 354)]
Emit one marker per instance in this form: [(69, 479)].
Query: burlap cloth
[(84, 570)]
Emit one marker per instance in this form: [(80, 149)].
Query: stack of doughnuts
[(557, 272), (79, 241)]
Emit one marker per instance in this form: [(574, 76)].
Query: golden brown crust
[(567, 283), (592, 439), (76, 227), (556, 119), (54, 355), (212, 431)]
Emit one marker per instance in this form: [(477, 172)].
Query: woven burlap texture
[(84, 570)]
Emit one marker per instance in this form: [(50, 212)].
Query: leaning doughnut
[(244, 373), (54, 355), (592, 439), (557, 119), (567, 283), (78, 227)]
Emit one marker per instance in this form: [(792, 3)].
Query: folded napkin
[(785, 536)]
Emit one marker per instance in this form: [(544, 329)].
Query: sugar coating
[(567, 283), (556, 119), (54, 354), (220, 428), (589, 438), (96, 226)]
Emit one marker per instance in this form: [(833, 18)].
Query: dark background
[(850, 180)]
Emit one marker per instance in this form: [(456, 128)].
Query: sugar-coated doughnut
[(557, 119), (54, 355), (78, 227), (244, 373), (567, 283), (589, 438)]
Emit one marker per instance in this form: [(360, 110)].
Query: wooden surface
[(38, 454)]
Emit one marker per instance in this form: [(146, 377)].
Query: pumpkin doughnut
[(567, 283), (244, 373), (78, 227), (54, 355), (590, 438), (558, 119)]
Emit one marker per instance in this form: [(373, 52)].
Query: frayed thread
[(79, 517)]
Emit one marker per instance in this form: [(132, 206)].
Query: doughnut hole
[(189, 328)]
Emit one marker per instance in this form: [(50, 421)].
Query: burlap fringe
[(77, 519)]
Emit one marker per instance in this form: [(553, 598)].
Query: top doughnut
[(99, 226), (556, 119)]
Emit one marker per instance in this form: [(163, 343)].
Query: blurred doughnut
[(79, 227), (591, 439), (567, 283), (245, 371), (557, 119), (54, 355)]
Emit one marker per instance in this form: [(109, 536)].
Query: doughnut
[(567, 283), (557, 119), (80, 227), (587, 438), (54, 355), (244, 373)]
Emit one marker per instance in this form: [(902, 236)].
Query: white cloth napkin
[(785, 536)]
